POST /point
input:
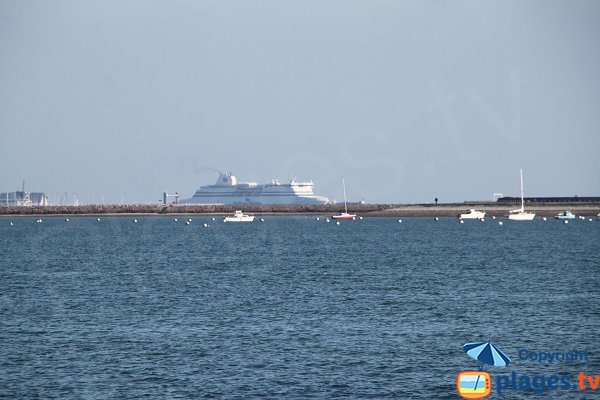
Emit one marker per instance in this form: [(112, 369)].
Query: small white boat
[(472, 214), (239, 217), (565, 215), (520, 214), (345, 214)]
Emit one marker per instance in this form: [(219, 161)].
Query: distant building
[(23, 199), (574, 199)]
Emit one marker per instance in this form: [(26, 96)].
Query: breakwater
[(375, 210)]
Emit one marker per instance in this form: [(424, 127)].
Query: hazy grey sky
[(407, 100)]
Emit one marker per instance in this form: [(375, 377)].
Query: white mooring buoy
[(399, 221), (135, 221), (337, 222), (98, 219), (175, 219), (436, 219), (499, 222), (566, 222), (205, 225), (462, 222)]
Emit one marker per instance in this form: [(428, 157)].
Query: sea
[(295, 307)]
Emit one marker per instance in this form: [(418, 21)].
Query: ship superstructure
[(227, 190)]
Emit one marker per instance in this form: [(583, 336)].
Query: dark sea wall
[(188, 209), (439, 210)]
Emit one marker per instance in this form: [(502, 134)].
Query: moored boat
[(472, 214), (239, 216), (520, 214), (345, 214), (565, 215)]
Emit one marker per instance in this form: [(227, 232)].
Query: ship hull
[(256, 200), (525, 216), (246, 218), (472, 215), (344, 216)]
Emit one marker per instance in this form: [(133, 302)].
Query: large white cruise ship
[(227, 190)]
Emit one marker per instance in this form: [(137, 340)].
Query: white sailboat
[(345, 214), (520, 214)]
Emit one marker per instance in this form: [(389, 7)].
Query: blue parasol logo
[(486, 353), (477, 384)]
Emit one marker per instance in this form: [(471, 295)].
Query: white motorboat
[(472, 214), (565, 215), (239, 216), (520, 214)]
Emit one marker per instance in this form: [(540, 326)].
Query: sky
[(407, 100)]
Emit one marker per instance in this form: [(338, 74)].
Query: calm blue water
[(288, 308)]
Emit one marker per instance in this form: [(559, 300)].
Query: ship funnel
[(226, 179)]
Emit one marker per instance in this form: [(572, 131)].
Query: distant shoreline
[(366, 210)]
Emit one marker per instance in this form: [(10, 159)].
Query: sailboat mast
[(522, 199), (345, 205)]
